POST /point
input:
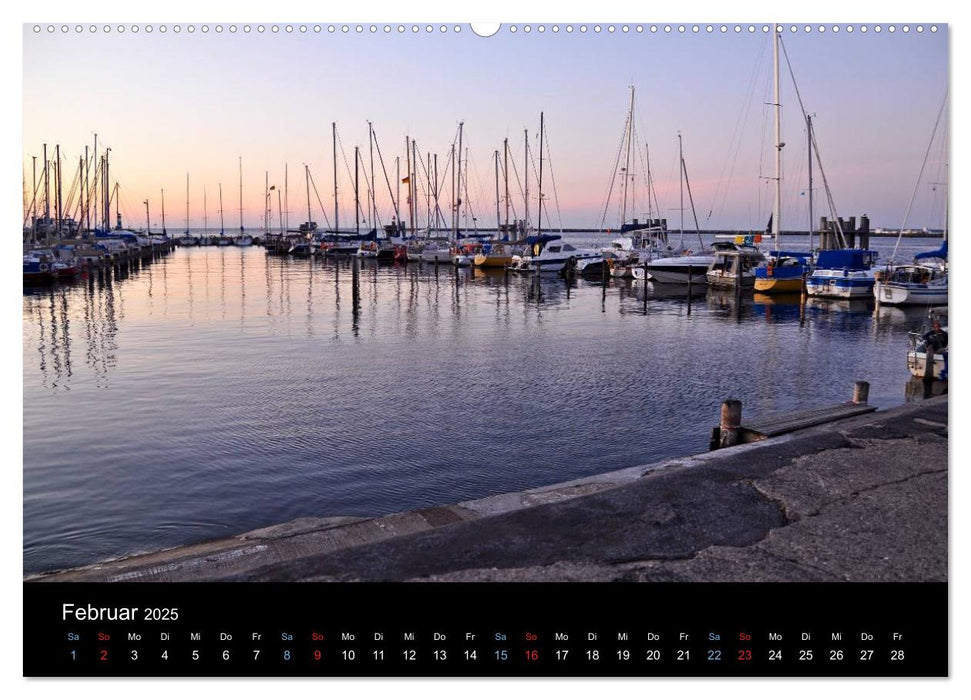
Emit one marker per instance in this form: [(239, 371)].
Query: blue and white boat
[(842, 274)]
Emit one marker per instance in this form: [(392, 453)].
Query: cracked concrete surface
[(860, 500)]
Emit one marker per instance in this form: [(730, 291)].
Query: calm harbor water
[(217, 390)]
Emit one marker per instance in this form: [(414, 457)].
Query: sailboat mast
[(241, 194), (187, 204), (148, 219), (681, 179), (306, 173), (539, 213), (627, 175), (286, 201), (526, 171), (454, 205), (776, 209), (357, 196), (505, 176), (413, 187), (809, 139), (266, 203), (498, 219), (164, 232), (57, 172), (333, 127), (458, 172), (371, 188), (222, 221), (205, 212)]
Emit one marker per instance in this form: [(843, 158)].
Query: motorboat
[(842, 274)]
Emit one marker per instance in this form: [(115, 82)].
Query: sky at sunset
[(170, 104)]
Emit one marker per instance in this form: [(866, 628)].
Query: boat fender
[(768, 269)]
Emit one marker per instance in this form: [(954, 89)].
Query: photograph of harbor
[(546, 302)]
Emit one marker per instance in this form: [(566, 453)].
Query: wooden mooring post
[(730, 430)]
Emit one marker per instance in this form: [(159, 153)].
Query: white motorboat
[(550, 253)]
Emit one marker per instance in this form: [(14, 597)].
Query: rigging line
[(350, 176), (740, 124), (937, 122), (397, 215), (556, 199), (323, 211), (819, 159), (691, 200), (512, 205), (613, 177)]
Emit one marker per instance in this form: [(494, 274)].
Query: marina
[(163, 401)]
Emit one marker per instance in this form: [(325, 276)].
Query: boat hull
[(776, 285), (899, 294), (917, 364)]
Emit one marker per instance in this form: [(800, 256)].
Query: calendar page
[(519, 349)]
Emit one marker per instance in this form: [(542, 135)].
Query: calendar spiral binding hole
[(594, 29)]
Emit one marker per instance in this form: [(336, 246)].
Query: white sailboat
[(925, 280)]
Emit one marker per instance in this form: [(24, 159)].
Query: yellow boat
[(499, 255)]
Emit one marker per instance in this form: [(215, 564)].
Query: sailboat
[(687, 267), (782, 272), (638, 239), (925, 280)]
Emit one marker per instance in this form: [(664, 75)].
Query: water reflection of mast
[(355, 295), (242, 287)]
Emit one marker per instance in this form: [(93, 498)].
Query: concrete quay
[(862, 499)]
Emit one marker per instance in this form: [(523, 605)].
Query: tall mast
[(85, 214), (333, 128), (413, 187), (57, 172), (222, 221), (95, 186), (164, 232), (777, 206), (107, 193), (630, 137), (47, 190), (454, 205), (437, 208), (459, 176), (33, 203), (279, 206), (286, 200), (539, 213), (148, 219), (205, 212), (809, 139), (266, 203), (681, 178), (357, 194), (505, 175), (241, 194), (306, 172), (371, 188), (526, 188), (498, 220), (187, 204)]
